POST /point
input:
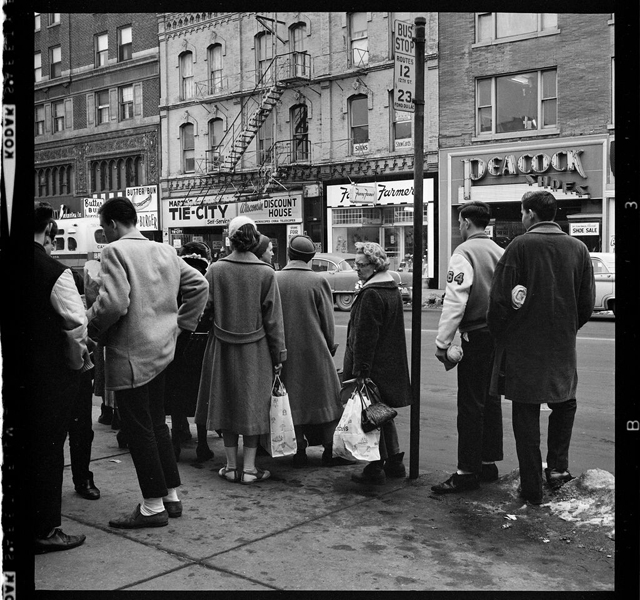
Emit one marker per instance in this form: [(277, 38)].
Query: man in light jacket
[(542, 292), (137, 317)]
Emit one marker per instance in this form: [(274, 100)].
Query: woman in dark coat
[(183, 374), (376, 348), (245, 345)]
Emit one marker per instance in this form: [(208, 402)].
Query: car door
[(604, 282)]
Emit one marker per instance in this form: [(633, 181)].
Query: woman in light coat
[(245, 346)]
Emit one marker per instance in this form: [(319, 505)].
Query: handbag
[(282, 435), (349, 439), (376, 414)]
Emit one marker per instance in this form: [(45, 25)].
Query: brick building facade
[(96, 96), (273, 114), (527, 103)]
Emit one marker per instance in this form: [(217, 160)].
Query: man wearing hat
[(309, 374)]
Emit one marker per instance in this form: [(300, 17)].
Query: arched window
[(299, 133), (186, 75), (188, 148), (264, 55), (301, 60), (215, 68), (216, 133), (359, 123)]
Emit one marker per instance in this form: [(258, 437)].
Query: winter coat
[(536, 343), (136, 313), (245, 342), (376, 343), (309, 375)]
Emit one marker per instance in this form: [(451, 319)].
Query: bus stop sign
[(404, 73)]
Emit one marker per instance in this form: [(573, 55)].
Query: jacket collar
[(134, 234), (545, 227), (299, 265), (244, 257), (380, 279)]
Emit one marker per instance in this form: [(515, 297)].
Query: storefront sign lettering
[(204, 211), (555, 184), (561, 161)]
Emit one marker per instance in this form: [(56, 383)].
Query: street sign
[(404, 72)]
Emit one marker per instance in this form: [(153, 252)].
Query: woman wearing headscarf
[(376, 348), (245, 346), (183, 374)]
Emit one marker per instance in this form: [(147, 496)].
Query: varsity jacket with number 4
[(466, 298)]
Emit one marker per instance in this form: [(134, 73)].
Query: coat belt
[(232, 337)]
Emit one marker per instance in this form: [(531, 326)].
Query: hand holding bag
[(376, 414), (349, 440), (282, 435)]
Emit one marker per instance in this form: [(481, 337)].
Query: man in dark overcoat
[(542, 292)]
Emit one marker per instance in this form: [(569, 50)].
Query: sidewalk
[(314, 529)]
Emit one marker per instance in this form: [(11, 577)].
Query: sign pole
[(418, 211)]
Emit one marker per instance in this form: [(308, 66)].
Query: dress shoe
[(334, 461), (204, 453), (530, 498), (173, 508), (58, 541), (106, 415), (88, 490), (489, 473), (557, 480), (457, 483), (372, 474), (299, 460), (394, 467), (137, 520)]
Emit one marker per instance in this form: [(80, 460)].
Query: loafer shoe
[(136, 520), (557, 480), (58, 541), (457, 483), (88, 490), (173, 508), (489, 473)]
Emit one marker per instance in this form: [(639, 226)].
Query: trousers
[(51, 415), (81, 430), (143, 423), (479, 413), (526, 430)]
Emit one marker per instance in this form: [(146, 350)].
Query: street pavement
[(314, 529)]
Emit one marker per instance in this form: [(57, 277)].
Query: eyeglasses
[(360, 265)]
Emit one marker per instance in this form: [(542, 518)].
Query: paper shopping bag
[(282, 435), (349, 440)]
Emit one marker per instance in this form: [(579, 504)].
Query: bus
[(78, 240)]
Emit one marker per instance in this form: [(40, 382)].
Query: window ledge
[(516, 38), (611, 127), (515, 134)]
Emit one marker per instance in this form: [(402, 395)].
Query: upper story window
[(613, 90), (101, 49), (186, 75), (300, 133), (188, 148), (57, 116), (39, 120), (265, 141), (359, 124), (496, 26), (214, 59), (358, 39), (125, 99), (125, 44), (301, 60), (102, 107), (55, 62), (517, 102), (37, 20), (264, 54), (54, 18), (37, 66), (216, 133)]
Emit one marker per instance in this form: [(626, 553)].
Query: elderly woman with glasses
[(376, 348)]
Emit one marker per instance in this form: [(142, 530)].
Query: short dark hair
[(42, 215), (119, 209), (542, 203), (477, 212), (199, 248), (245, 238)]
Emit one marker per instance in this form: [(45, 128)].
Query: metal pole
[(416, 310)]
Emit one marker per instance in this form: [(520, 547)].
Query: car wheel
[(344, 301)]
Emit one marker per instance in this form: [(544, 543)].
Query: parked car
[(604, 271), (342, 277)]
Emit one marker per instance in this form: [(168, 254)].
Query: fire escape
[(273, 79)]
